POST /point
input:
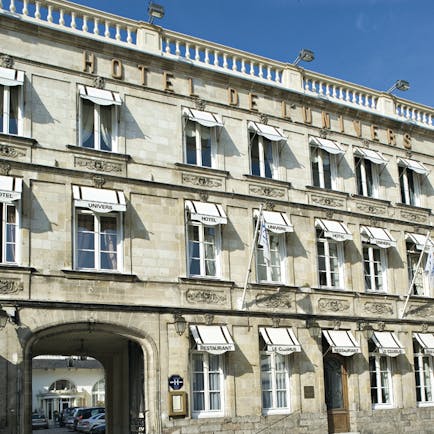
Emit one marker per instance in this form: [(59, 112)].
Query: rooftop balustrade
[(109, 28)]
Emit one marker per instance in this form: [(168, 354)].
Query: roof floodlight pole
[(415, 274)]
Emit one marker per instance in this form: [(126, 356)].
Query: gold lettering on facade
[(143, 71), (341, 124), (167, 82), (88, 62), (233, 96), (391, 138), (117, 69), (307, 114), (285, 115), (191, 88), (252, 102), (407, 141), (357, 128), (374, 133), (325, 118)]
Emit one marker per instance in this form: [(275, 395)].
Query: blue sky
[(368, 42)]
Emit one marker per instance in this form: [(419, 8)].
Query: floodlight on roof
[(304, 55), (402, 85), (155, 11)]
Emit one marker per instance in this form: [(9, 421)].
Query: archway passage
[(122, 373)]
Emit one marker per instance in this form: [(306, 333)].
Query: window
[(275, 382), (375, 268), (9, 233), (416, 275), (98, 393), (204, 238), (367, 177), (323, 154), (207, 384), (98, 228), (201, 137), (264, 150), (330, 260), (62, 386), (410, 176), (381, 378), (98, 119), (273, 270), (423, 371), (11, 82)]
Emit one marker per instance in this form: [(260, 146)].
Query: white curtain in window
[(106, 128), (87, 124)]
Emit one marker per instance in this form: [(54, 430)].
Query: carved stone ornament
[(201, 181), (269, 206), (323, 133), (371, 209), (329, 214), (196, 296), (414, 217), (5, 168), (276, 321), (264, 118), (203, 196), (7, 61), (273, 300), (200, 104), (266, 191), (10, 151), (209, 318), (333, 305), (327, 201), (97, 165), (378, 308), (99, 82), (98, 181), (366, 143), (422, 311), (9, 286)]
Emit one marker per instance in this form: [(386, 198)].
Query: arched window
[(98, 393), (61, 386)]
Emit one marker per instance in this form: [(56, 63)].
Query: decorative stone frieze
[(97, 165), (266, 191), (422, 311), (414, 217), (9, 151), (378, 308), (10, 286), (273, 300), (371, 209), (197, 296), (333, 305), (202, 181), (327, 201)]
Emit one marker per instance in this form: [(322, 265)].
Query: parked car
[(99, 429), (70, 418), (39, 421), (85, 425), (65, 414), (86, 413)]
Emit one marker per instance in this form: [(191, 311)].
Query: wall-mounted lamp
[(304, 55), (180, 324), (155, 11), (314, 328), (402, 85)]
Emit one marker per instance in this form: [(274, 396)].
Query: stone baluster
[(73, 22), (177, 49), (50, 14), (206, 59), (187, 50), (118, 32), (252, 68), (25, 8), (234, 63), (129, 36), (243, 66), (269, 76), (84, 26), (107, 29), (167, 49), (95, 26), (216, 58), (12, 7), (197, 53), (38, 10), (61, 17), (1, 4), (225, 60)]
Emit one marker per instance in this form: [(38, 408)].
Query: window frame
[(364, 177), (97, 125), (420, 374), (371, 248), (97, 250), (413, 253), (377, 358), (217, 249), (317, 152), (16, 225), (409, 186), (260, 141), (198, 138), (7, 90), (340, 255), (274, 409), (281, 251), (207, 412)]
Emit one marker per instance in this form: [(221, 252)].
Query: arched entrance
[(122, 357)]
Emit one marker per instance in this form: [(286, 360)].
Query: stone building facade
[(137, 164)]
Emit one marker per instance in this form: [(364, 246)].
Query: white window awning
[(426, 341), (388, 344), (212, 339), (373, 156), (99, 96), (342, 342), (327, 145), (281, 340), (419, 241), (207, 213), (277, 222), (11, 77), (271, 133), (98, 200), (206, 119), (414, 165), (338, 231), (379, 236), (10, 189)]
